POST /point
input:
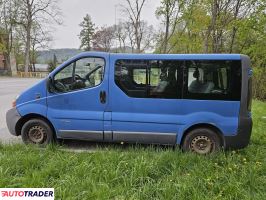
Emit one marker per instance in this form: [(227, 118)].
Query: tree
[(8, 17), (121, 36), (129, 30), (209, 27), (147, 36), (225, 19), (103, 39), (170, 11), (87, 32), (18, 52), (52, 64), (133, 9), (36, 11), (40, 39)]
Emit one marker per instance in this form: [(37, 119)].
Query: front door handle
[(103, 97)]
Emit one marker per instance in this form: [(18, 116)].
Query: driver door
[(77, 99)]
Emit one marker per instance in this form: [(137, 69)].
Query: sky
[(102, 13)]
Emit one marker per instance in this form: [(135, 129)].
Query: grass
[(138, 172)]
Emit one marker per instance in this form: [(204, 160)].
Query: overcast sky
[(102, 13)]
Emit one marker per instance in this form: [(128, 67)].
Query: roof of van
[(166, 56)]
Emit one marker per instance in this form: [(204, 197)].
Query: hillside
[(61, 55)]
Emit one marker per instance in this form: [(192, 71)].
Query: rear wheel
[(202, 141), (37, 131)]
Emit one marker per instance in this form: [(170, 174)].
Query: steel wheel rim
[(202, 145), (37, 134)]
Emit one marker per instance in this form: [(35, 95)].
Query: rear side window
[(149, 78), (218, 80)]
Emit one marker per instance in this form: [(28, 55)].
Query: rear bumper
[(12, 117), (242, 138)]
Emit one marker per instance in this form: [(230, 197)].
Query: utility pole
[(115, 29)]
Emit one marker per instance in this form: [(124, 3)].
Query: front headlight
[(14, 102)]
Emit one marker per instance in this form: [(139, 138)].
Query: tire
[(202, 141), (38, 132)]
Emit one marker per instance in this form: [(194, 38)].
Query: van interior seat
[(160, 88), (198, 86)]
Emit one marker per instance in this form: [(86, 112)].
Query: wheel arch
[(204, 125), (30, 116)]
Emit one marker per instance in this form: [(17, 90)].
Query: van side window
[(139, 76), (80, 74), (149, 79), (219, 80)]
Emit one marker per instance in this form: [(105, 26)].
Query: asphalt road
[(9, 89)]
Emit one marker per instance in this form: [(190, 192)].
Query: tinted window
[(149, 79), (83, 73), (213, 80), (139, 76)]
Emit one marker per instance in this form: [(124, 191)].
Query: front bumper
[(242, 138), (12, 117)]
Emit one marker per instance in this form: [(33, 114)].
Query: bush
[(51, 66), (259, 83)]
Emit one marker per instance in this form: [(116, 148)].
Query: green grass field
[(139, 172)]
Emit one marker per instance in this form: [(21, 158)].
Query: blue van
[(201, 102)]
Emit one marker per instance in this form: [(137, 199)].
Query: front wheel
[(37, 131), (202, 141)]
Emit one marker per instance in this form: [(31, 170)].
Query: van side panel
[(33, 100), (129, 116), (167, 116), (221, 114)]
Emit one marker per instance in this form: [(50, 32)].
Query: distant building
[(4, 69), (41, 67), (38, 67)]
